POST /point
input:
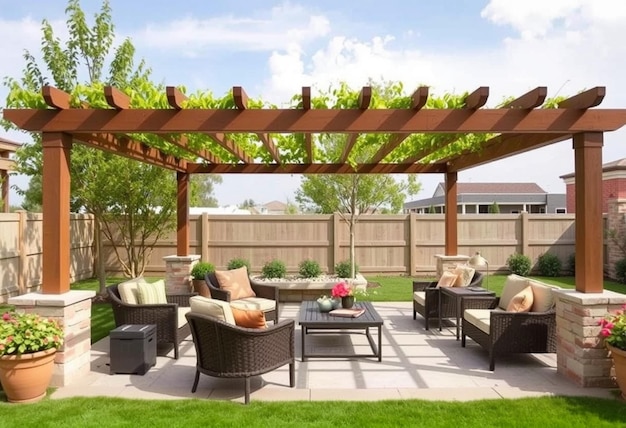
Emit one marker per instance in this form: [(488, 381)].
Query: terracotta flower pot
[(26, 377), (619, 361)]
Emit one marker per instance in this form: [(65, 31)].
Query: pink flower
[(341, 289), (6, 316), (605, 332)]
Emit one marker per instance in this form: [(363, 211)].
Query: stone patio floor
[(416, 364)]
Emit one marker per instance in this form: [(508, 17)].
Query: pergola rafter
[(518, 126)]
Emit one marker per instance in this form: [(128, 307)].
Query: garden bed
[(297, 289)]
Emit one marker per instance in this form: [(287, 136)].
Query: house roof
[(617, 165), (495, 188), (275, 206)]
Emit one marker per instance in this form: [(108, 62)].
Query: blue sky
[(272, 48)]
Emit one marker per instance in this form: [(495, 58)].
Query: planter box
[(297, 290)]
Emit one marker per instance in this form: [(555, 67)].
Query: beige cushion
[(479, 317), (447, 279), (129, 292), (151, 293), (543, 296), (522, 301), (250, 303), (464, 273), (420, 297), (236, 281), (212, 307), (249, 319), (513, 285)]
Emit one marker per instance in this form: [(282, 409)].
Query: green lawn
[(101, 412)]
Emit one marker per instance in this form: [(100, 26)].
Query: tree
[(126, 197), (248, 203), (202, 187), (494, 208)]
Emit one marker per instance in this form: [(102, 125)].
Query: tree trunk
[(100, 268)]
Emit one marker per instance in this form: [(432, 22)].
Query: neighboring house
[(229, 209), (613, 185), (272, 208), (476, 198)]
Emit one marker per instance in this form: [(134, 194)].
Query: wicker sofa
[(426, 297), (169, 318), (491, 323)]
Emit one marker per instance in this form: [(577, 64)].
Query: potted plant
[(613, 329), (198, 271), (28, 343)]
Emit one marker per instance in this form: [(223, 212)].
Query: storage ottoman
[(133, 348)]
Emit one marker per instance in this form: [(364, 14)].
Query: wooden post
[(56, 212), (451, 217), (524, 247), (204, 240), (412, 218), (336, 244), (182, 214), (589, 236)]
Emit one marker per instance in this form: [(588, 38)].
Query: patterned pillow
[(447, 279), (152, 293), (464, 274), (236, 281), (249, 319), (522, 301)]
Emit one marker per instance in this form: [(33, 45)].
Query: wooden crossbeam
[(427, 151), (56, 98), (183, 143), (308, 139), (230, 145), (316, 168), (394, 141), (478, 98), (587, 99), (419, 98), (175, 97), (529, 100), (365, 98), (116, 98)]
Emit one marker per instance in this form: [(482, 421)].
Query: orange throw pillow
[(249, 319), (236, 281), (522, 301)]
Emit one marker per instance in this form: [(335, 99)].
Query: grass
[(571, 412)]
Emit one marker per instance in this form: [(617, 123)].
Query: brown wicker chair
[(225, 350), (510, 332), (265, 291), (164, 316), (430, 308)]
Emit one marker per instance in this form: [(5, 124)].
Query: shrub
[(200, 269), (342, 269), (571, 264), (549, 265), (309, 269), (620, 270), (274, 269), (519, 264), (237, 263)]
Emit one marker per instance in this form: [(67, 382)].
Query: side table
[(457, 294)]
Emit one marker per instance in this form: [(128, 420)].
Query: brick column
[(178, 273), (73, 311), (448, 262), (581, 355)]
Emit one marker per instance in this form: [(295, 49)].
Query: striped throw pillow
[(152, 293)]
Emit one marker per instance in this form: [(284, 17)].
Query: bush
[(519, 264), (571, 264), (342, 269), (200, 269), (549, 265), (309, 269), (620, 271), (238, 263), (274, 269)]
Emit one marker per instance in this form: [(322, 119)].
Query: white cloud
[(26, 34)]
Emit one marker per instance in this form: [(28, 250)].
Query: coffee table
[(312, 321), (457, 294)]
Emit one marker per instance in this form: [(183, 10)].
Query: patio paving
[(416, 364)]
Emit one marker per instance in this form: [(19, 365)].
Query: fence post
[(21, 249), (204, 236), (524, 233), (336, 247), (412, 268)]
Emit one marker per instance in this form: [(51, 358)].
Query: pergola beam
[(365, 98), (587, 99), (529, 100), (478, 98), (427, 151), (316, 168), (230, 145), (116, 98), (419, 98), (308, 139), (56, 98)]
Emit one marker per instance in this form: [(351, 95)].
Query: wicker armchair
[(509, 332), (263, 291), (225, 350), (426, 303), (171, 327)]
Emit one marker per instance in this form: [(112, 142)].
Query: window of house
[(561, 210)]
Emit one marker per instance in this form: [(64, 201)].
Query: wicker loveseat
[(426, 297), (491, 322), (169, 318)]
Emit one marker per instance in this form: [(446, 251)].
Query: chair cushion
[(152, 293), (522, 301), (513, 285), (249, 319), (236, 281), (448, 278), (213, 308), (128, 290), (464, 273), (420, 297), (543, 296), (250, 303), (479, 317)]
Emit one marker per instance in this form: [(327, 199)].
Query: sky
[(273, 48)]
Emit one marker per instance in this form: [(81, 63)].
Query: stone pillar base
[(581, 355), (73, 311), (448, 262), (178, 273)]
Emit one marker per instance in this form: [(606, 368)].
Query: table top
[(310, 316), (467, 291)]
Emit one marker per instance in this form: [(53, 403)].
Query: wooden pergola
[(519, 126), (6, 165)]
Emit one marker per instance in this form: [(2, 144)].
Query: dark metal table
[(312, 321), (457, 294)]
